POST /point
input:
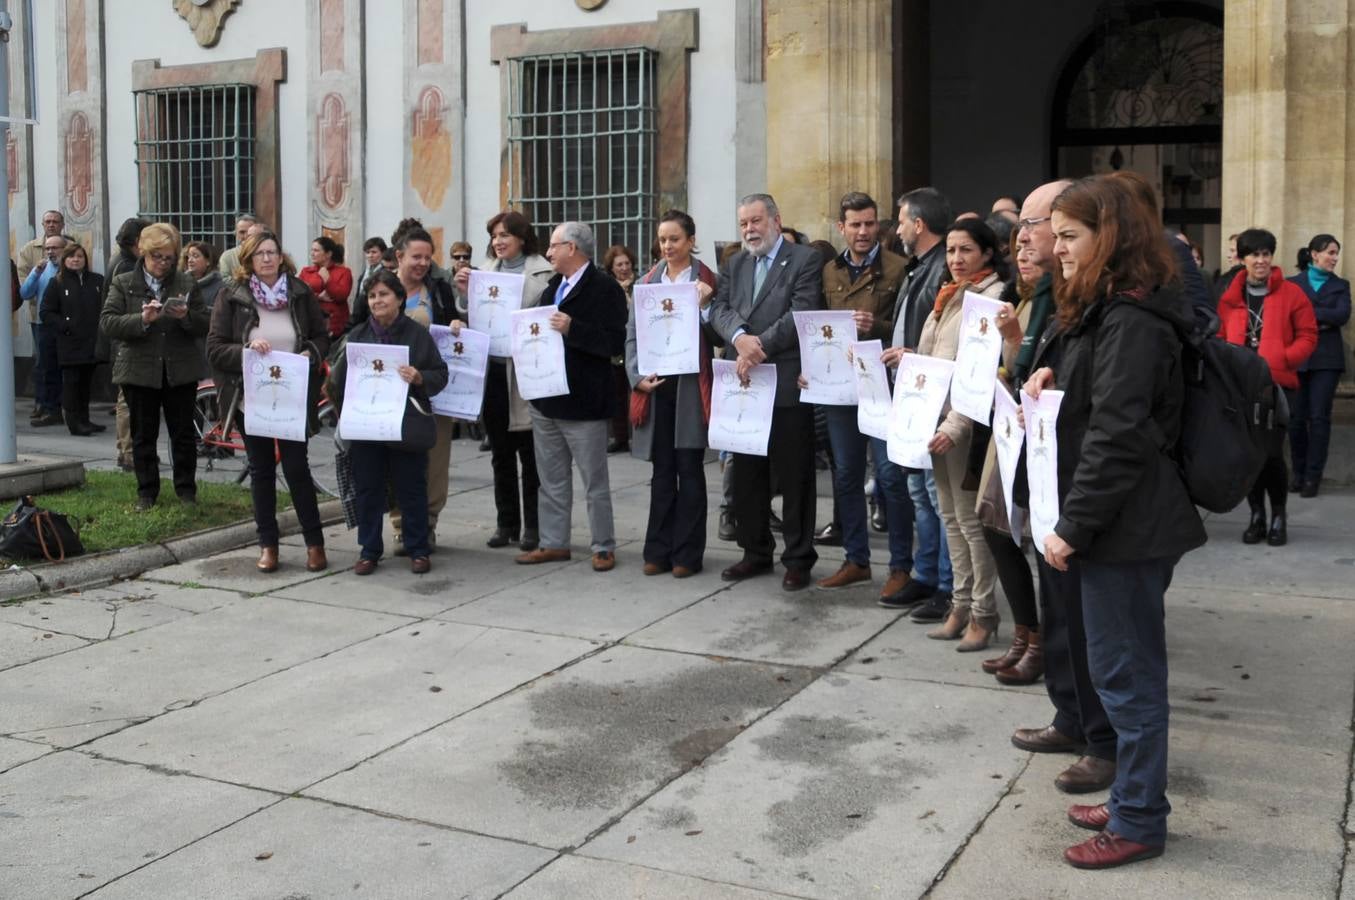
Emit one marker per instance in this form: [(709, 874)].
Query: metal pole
[(9, 443)]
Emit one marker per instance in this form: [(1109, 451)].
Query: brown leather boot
[(1013, 654), (268, 559), (1029, 668), (952, 627), (316, 561)]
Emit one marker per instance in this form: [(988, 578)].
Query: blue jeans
[(849, 487), (1310, 423), (1122, 608), (932, 560)]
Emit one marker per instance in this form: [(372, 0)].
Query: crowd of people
[(1096, 299)]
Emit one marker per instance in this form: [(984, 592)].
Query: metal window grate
[(195, 158), (581, 136)]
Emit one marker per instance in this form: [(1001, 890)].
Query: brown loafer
[(795, 580), (268, 559), (316, 561), (1093, 818), (685, 571), (1108, 850), (846, 576), (604, 561), (745, 569), (364, 566), (1045, 740), (1087, 775), (543, 555), (420, 565), (651, 568)]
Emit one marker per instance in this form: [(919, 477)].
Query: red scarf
[(950, 290), (639, 400)]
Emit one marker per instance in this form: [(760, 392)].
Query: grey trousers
[(558, 443)]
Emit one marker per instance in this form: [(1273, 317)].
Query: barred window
[(581, 134), (195, 158)]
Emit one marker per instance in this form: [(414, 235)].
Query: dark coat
[(794, 284), (121, 262), (235, 314), (1331, 306), (597, 332), (1288, 327), (917, 297), (1122, 498), (166, 350), (423, 355), (876, 291), (71, 309)]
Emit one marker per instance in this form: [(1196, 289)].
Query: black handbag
[(30, 532), (418, 429)]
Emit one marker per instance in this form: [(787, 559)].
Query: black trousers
[(1274, 478), (1078, 712), (506, 449), (1013, 572), (376, 465), (75, 382), (263, 453), (676, 534), (620, 425), (144, 405), (789, 464)]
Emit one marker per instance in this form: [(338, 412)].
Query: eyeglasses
[(554, 244), (461, 257), (266, 254), (163, 258), (1031, 223)]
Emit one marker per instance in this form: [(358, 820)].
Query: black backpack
[(1233, 415)]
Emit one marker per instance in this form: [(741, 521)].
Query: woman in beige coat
[(508, 422), (974, 264)]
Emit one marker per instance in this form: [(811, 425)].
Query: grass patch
[(102, 510)]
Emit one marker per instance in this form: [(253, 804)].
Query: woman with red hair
[(1125, 516)]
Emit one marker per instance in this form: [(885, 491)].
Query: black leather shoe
[(1309, 489), (773, 520), (745, 569), (934, 610), (795, 580), (1279, 530), (828, 536), (95, 427), (1256, 531), (502, 537), (727, 532), (531, 539), (912, 593)]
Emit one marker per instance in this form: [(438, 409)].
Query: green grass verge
[(102, 510)]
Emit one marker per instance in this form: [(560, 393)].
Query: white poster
[(491, 297), (1042, 462), (1008, 435), (824, 339), (276, 385), (919, 396), (538, 354), (667, 328), (976, 360), (467, 357), (374, 393), (741, 414), (872, 389)]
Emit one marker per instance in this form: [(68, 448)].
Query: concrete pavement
[(496, 730)]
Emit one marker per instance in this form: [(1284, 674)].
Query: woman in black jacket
[(71, 308), (265, 308), (1124, 510), (1310, 418), (374, 461)]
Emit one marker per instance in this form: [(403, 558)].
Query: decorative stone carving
[(431, 165), (335, 87), (205, 17), (332, 136), (79, 165), (434, 106)]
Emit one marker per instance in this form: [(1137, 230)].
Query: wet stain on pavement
[(603, 740), (426, 587), (844, 791), (798, 629), (672, 818), (1186, 782)]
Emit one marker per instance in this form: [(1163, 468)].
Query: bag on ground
[(30, 532)]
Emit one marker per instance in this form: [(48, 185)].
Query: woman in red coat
[(331, 281), (1262, 310)]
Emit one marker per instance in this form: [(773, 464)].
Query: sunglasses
[(461, 257)]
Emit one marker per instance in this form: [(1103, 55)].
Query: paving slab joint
[(978, 826)]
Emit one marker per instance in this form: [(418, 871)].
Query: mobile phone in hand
[(178, 302)]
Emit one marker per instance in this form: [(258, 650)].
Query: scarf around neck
[(950, 290), (274, 298)]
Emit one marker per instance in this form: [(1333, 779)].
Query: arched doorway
[(1144, 91)]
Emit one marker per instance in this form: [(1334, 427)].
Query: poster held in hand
[(1042, 462), (1008, 436), (538, 354), (467, 357), (374, 393), (919, 396), (872, 389), (825, 336), (976, 360), (667, 329), (491, 298), (277, 388), (741, 415)]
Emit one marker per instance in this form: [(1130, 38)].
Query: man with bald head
[(1080, 723)]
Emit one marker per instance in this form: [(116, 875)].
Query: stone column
[(830, 107), (435, 116), (1289, 122), (19, 139), (334, 99), (80, 125)]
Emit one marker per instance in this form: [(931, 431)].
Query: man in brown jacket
[(865, 278)]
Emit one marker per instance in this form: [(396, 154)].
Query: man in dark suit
[(573, 427), (759, 287)]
